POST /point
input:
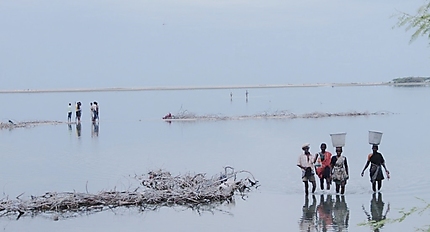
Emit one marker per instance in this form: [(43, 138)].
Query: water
[(132, 139)]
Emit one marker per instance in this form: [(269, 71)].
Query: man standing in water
[(323, 159), (69, 113), (376, 160), (96, 111), (78, 112), (305, 163)]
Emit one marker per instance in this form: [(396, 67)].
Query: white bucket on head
[(375, 137), (338, 139)]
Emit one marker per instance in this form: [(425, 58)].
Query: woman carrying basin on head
[(377, 161), (340, 173)]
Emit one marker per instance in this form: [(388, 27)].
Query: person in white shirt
[(69, 112), (305, 162)]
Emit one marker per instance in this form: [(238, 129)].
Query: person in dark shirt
[(377, 161)]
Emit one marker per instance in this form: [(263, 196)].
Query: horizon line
[(167, 88)]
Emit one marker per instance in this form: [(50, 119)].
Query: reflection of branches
[(157, 189)]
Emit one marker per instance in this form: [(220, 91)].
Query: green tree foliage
[(411, 80), (420, 21)]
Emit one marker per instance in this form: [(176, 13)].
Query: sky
[(48, 44)]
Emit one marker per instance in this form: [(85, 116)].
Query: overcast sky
[(47, 44)]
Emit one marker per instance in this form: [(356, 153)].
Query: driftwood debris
[(156, 189), (12, 125), (187, 116)]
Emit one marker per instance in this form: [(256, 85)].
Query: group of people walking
[(94, 108), (334, 168)]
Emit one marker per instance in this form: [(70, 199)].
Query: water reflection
[(78, 129), (308, 219), (330, 214), (340, 214), (325, 212), (377, 214), (95, 129)]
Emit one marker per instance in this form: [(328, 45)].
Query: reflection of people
[(78, 129), (305, 162), (340, 214), (324, 210), (95, 130), (322, 163), (340, 174), (376, 160), (377, 211), (307, 221)]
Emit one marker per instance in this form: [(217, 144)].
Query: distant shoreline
[(118, 89)]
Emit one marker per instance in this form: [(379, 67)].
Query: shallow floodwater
[(132, 139)]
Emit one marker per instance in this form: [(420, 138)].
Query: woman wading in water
[(340, 170), (376, 175), (323, 159)]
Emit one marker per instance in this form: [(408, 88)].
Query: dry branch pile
[(185, 115), (158, 188), (12, 125)]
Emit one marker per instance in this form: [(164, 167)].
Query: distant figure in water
[(246, 95), (96, 111), (69, 112), (92, 109), (168, 116), (231, 96), (78, 112)]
